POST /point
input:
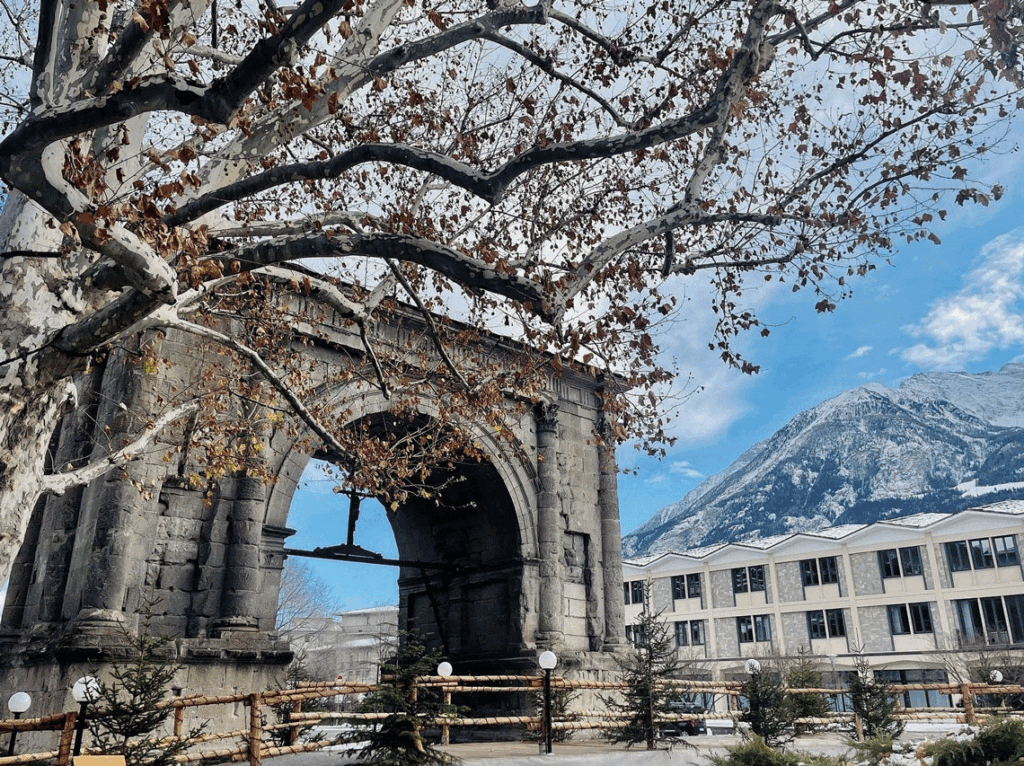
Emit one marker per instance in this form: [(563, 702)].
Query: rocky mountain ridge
[(940, 442)]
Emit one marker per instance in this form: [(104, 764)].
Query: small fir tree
[(652, 660), (804, 675), (397, 740), (768, 711), (876, 704), (126, 720)]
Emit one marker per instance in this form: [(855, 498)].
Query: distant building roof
[(913, 521)]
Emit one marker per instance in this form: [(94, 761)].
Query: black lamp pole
[(547, 710), (14, 735)]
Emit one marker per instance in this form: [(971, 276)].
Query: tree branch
[(431, 326), (472, 273), (59, 483), (257, 361)]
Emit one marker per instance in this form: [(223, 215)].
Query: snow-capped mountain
[(939, 442)]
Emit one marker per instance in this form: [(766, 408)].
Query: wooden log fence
[(265, 708)]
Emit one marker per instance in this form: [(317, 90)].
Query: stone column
[(549, 534), (239, 606), (611, 541)]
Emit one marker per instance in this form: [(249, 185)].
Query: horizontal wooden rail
[(250, 743)]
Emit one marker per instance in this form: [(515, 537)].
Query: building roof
[(851, 532)]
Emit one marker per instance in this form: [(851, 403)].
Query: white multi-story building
[(914, 598), (347, 645)]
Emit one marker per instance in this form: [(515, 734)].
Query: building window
[(762, 627), (899, 622), (697, 632), (748, 579), (689, 633), (739, 580), (981, 553), (968, 615), (679, 586), (910, 559), (756, 578), (917, 697), (836, 623), (829, 623), (959, 558), (693, 585), (686, 586), (920, 617), (636, 635), (816, 624), (809, 571), (745, 629), (910, 618), (829, 570), (889, 563), (995, 620), (1006, 551), (633, 592), (682, 634)]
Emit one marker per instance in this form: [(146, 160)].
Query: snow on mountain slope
[(868, 453)]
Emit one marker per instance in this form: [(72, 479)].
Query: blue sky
[(954, 306)]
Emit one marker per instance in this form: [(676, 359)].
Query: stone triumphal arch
[(531, 562)]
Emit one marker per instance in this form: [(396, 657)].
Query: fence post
[(67, 736), (255, 730), (293, 733), (968, 697), (179, 720), (858, 724), (445, 729)]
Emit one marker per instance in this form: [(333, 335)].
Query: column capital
[(546, 414)]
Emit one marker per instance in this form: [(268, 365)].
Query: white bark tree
[(556, 168)]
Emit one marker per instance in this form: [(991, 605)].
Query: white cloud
[(871, 375), (657, 478), (986, 314), (859, 352), (683, 468)]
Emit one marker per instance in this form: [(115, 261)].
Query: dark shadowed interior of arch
[(471, 610), (466, 521)]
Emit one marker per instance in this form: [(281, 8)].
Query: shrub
[(755, 752), (999, 743)]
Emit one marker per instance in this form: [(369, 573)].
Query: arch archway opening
[(455, 535)]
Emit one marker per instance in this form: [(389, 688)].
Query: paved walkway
[(689, 751)]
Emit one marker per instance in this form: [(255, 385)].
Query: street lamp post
[(547, 662), (17, 704), (85, 690), (445, 670)]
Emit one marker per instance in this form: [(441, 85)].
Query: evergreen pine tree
[(651, 660), (876, 704), (768, 712), (397, 739), (804, 675), (127, 720)]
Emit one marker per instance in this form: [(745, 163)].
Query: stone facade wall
[(874, 629), (727, 640), (721, 589), (789, 583), (867, 580), (794, 631)]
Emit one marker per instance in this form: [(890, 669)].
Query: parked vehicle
[(689, 726)]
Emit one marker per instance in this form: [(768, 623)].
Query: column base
[(226, 627)]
